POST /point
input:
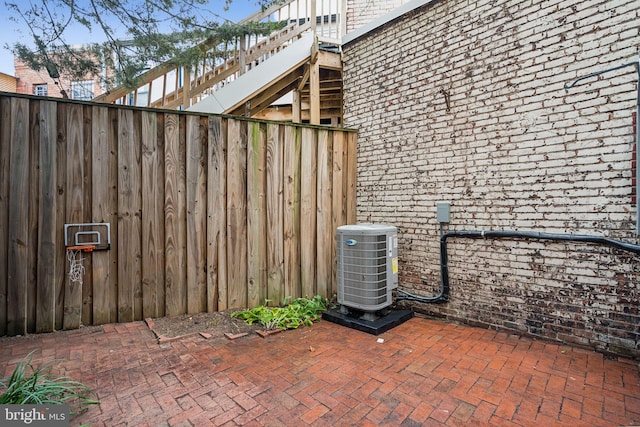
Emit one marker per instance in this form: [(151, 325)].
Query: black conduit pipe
[(443, 295)]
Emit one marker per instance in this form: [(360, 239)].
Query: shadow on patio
[(426, 372)]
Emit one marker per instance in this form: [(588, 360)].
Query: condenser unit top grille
[(373, 229)]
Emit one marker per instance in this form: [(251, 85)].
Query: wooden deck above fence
[(207, 213)]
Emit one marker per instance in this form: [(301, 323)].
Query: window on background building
[(40, 90), (82, 90)]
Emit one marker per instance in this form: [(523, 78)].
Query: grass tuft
[(30, 385)]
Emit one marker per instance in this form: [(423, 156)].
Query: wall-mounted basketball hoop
[(97, 234), (84, 238)]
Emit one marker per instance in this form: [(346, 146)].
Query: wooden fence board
[(32, 221), (47, 219), (308, 170), (338, 210), (129, 227), (102, 207), (61, 212), (5, 141), (74, 208), (87, 284), (275, 221), (114, 256), (175, 273), (206, 213), (352, 162), (237, 213), (136, 225), (152, 218), (324, 214), (291, 211), (256, 215), (161, 298), (216, 216), (196, 193), (18, 227)]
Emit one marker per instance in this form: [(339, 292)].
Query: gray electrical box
[(444, 212)]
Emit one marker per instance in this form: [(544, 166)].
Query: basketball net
[(76, 269)]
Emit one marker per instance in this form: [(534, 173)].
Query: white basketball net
[(76, 269)]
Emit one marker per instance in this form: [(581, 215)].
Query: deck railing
[(178, 87)]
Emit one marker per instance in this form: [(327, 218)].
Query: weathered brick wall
[(361, 12), (464, 102)]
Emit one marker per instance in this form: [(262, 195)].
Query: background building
[(40, 83), (7, 83)]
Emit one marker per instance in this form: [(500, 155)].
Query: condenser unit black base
[(385, 321)]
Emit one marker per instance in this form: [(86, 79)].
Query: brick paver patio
[(426, 372)]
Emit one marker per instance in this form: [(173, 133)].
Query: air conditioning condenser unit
[(367, 266)]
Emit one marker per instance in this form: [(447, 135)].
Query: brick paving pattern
[(426, 372)]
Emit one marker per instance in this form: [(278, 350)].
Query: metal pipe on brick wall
[(443, 295), (638, 149), (444, 268)]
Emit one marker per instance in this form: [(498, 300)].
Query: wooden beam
[(296, 116), (330, 60), (186, 88), (264, 98), (284, 113), (314, 89), (314, 52), (305, 77), (243, 55), (264, 102), (313, 17)]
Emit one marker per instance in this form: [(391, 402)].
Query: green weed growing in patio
[(30, 385), (299, 312)]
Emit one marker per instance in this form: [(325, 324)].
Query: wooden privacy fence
[(206, 213)]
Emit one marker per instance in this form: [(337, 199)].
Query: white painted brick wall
[(361, 12), (512, 150)]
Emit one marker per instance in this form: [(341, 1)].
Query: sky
[(13, 32)]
